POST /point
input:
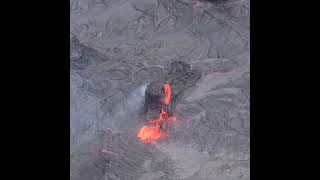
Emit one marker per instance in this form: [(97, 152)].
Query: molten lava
[(155, 129), (167, 94), (149, 133)]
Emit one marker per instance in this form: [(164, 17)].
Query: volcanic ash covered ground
[(118, 47)]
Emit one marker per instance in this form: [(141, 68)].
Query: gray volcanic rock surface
[(118, 47)]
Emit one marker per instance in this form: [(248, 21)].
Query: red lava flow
[(155, 128)]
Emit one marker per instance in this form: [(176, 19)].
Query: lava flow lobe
[(155, 128)]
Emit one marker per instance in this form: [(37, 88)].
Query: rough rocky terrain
[(118, 47)]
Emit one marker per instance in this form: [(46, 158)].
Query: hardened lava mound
[(178, 79)]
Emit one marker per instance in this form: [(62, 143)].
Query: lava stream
[(155, 129)]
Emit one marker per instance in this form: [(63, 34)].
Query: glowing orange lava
[(155, 130), (167, 93), (149, 133)]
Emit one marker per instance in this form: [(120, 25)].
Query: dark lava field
[(117, 47)]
